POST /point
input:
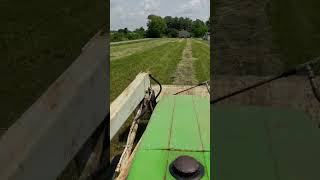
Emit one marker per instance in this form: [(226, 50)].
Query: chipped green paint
[(179, 125)]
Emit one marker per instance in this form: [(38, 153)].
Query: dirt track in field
[(185, 73)]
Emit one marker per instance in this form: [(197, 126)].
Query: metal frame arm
[(314, 87)]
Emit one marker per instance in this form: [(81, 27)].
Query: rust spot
[(59, 82), (56, 85), (126, 92), (52, 106), (50, 98)]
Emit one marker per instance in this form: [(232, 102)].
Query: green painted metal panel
[(202, 108), (157, 134), (154, 164), (177, 123), (185, 134), (175, 128), (149, 164), (207, 160), (264, 143)]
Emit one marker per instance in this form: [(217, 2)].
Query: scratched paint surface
[(178, 126)]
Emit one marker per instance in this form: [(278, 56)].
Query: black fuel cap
[(186, 168)]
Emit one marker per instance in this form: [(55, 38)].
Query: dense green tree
[(169, 21), (209, 23), (188, 24), (199, 28), (176, 23), (171, 32), (118, 36), (167, 26), (156, 26), (125, 31), (141, 32)]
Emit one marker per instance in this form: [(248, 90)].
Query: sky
[(133, 14)]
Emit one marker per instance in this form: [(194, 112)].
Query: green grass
[(160, 61), (203, 41), (296, 29), (127, 49), (38, 41), (201, 51), (120, 43)]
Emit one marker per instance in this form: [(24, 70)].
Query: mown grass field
[(38, 41), (119, 51), (201, 51), (160, 61), (159, 57)]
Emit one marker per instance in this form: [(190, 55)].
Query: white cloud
[(195, 9), (151, 5), (133, 13), (136, 13), (195, 3)]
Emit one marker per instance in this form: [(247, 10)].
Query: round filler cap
[(186, 168)]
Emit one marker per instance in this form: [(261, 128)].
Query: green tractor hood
[(179, 125)]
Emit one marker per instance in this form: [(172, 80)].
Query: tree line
[(168, 26)]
